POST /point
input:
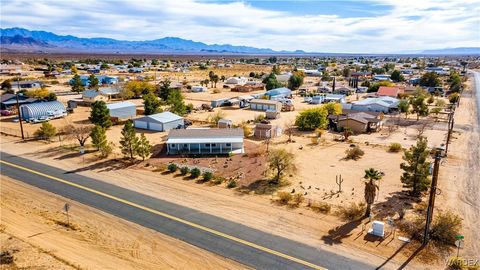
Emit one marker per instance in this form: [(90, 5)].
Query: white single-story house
[(199, 88), (159, 122), (379, 104), (122, 110), (205, 141), (236, 80)]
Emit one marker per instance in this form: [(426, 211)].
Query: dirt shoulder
[(32, 231)]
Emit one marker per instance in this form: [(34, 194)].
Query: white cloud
[(409, 25)]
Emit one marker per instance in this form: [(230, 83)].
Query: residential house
[(205, 141), (357, 121), (26, 85), (249, 87), (344, 91), (199, 88), (389, 91), (379, 104), (91, 96), (159, 122), (381, 77), (236, 80), (9, 101)]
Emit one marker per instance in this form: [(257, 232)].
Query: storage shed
[(122, 110), (265, 105), (159, 122), (52, 109)]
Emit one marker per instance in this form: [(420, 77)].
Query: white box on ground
[(378, 229)]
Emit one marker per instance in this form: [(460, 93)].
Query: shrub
[(106, 149), (207, 176), (296, 200), (321, 207), (217, 180), (395, 147), (46, 131), (354, 153), (231, 184), (445, 225), (259, 118), (195, 172), (184, 170), (314, 140), (6, 258), (216, 91), (352, 212), (172, 167), (284, 197)]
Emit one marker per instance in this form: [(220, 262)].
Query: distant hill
[(21, 39), (454, 51)]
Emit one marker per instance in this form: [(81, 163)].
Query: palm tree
[(371, 188)]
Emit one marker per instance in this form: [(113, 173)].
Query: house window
[(185, 145), (214, 144), (172, 145), (207, 145), (228, 144)]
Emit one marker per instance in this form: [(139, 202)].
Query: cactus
[(339, 181)]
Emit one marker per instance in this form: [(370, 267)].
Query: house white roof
[(382, 101), (120, 105), (164, 117)]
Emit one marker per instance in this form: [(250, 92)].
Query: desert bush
[(232, 184), (296, 200), (172, 167), (217, 180), (354, 153), (195, 172), (394, 147), (445, 226), (184, 170), (314, 140), (217, 91), (46, 131), (351, 212), (259, 118), (321, 207), (6, 258), (284, 197), (106, 149), (207, 176)]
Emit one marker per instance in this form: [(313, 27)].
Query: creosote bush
[(394, 148), (354, 153), (296, 200), (172, 167), (184, 170), (321, 207), (351, 212), (195, 172), (232, 184), (207, 176), (284, 197)]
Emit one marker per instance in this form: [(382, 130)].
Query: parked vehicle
[(40, 119), (6, 112)]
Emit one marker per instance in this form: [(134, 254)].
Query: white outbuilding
[(159, 122)]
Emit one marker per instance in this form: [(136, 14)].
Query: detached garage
[(159, 122)]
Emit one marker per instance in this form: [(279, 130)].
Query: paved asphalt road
[(246, 245)]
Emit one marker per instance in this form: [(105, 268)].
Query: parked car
[(6, 112), (40, 119)]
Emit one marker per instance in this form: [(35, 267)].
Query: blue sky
[(373, 26)]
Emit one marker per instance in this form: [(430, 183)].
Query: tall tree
[(129, 142), (144, 148), (430, 79), (99, 137), (79, 132), (311, 119), (175, 100), (419, 107), (151, 104), (271, 82), (77, 85), (280, 162), (396, 76), (93, 82), (416, 168), (404, 107), (371, 188), (296, 80), (276, 70), (100, 115)]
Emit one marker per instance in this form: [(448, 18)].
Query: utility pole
[(451, 121), (19, 116), (433, 192)]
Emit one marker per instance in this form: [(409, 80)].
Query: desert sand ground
[(30, 231)]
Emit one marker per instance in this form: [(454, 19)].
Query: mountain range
[(23, 40)]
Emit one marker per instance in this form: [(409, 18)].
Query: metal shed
[(51, 109), (159, 122), (122, 110)]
